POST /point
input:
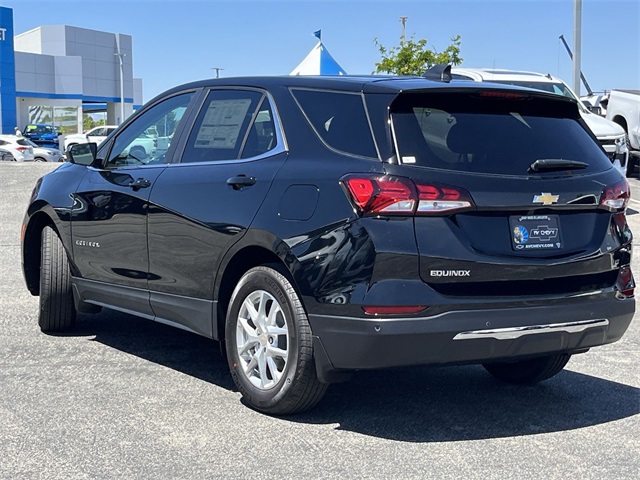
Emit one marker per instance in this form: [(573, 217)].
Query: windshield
[(40, 129), (504, 136)]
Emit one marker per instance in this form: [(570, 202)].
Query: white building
[(51, 72)]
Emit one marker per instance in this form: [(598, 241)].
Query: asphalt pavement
[(122, 397)]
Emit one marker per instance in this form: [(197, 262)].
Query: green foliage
[(87, 122), (413, 57)]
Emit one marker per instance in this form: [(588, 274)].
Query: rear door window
[(222, 129), (339, 119), (262, 134), (490, 134)]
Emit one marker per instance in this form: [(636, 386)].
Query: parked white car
[(623, 108), (95, 135), (147, 145), (45, 154), (6, 156), (19, 147), (610, 135)]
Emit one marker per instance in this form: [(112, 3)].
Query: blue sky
[(179, 41)]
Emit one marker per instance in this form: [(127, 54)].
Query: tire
[(39, 159), (268, 381), (57, 310), (632, 164), (528, 371)]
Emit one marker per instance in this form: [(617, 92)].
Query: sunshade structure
[(318, 62)]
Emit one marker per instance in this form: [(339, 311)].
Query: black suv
[(321, 225)]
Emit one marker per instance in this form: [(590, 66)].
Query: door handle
[(241, 181), (140, 183)]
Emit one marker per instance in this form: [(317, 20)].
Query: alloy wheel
[(262, 339)]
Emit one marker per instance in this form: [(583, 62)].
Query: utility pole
[(217, 69), (577, 44), (403, 20)]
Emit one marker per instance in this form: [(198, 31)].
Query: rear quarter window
[(339, 119), (466, 132)]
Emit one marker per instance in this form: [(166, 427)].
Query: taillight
[(441, 199), (22, 149), (625, 282), (389, 195), (384, 194), (616, 196)]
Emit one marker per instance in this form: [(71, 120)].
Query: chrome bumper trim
[(511, 333)]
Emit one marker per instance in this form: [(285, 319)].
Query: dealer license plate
[(535, 232)]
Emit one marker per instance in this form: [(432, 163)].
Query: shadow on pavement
[(431, 404), (420, 404), (171, 347)]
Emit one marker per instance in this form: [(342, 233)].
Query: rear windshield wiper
[(547, 164)]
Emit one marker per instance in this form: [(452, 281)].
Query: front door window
[(147, 139)]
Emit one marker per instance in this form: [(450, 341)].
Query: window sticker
[(222, 123)]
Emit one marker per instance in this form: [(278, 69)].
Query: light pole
[(403, 20), (217, 69), (577, 44), (121, 57)]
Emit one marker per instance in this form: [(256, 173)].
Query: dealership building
[(53, 74)]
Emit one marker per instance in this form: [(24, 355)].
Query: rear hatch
[(515, 197), (25, 147)]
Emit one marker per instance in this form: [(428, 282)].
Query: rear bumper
[(469, 336)]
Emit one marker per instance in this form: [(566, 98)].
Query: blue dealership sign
[(8, 114)]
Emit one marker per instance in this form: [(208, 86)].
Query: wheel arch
[(31, 246), (620, 120), (137, 148), (241, 259)]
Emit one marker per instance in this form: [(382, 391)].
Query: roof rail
[(440, 73)]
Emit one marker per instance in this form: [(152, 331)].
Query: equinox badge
[(450, 273), (545, 198)]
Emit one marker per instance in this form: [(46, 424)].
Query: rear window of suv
[(487, 133)]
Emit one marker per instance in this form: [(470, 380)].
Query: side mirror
[(83, 153), (596, 110)]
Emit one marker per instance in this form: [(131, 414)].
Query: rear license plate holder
[(535, 232)]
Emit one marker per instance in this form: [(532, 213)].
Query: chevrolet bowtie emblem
[(545, 198)]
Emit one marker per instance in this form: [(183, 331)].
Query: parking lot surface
[(122, 397)]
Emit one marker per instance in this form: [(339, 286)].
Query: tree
[(87, 122), (413, 57)]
